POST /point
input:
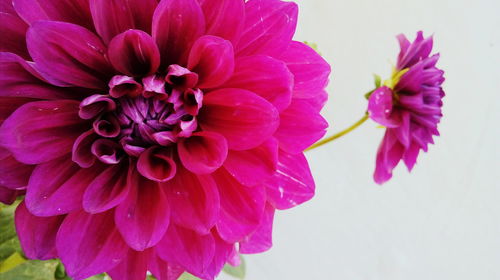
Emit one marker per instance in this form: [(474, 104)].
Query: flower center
[(138, 113)]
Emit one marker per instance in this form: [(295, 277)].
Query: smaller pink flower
[(408, 105)]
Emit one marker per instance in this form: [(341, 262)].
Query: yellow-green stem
[(338, 135)]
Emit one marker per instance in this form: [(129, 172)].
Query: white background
[(443, 220)]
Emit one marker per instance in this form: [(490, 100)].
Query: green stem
[(340, 134)]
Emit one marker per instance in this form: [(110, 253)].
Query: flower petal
[(245, 119), (253, 166), (187, 248), (112, 17), (37, 235), (310, 71), (300, 126), (241, 207), (107, 190), (163, 270), (222, 253), (57, 187), (19, 79), (224, 18), (8, 196), (389, 154), (13, 174), (269, 27), (262, 239), (266, 76), (176, 26), (13, 30), (380, 108), (134, 53), (292, 184), (89, 244), (194, 200), (212, 58), (157, 164), (143, 217), (203, 152), (72, 11), (41, 131), (133, 267), (68, 55)]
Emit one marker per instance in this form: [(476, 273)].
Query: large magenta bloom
[(409, 105), (154, 136)]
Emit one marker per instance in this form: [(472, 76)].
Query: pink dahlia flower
[(154, 136), (409, 105)]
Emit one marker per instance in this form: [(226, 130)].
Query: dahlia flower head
[(408, 105), (154, 135)]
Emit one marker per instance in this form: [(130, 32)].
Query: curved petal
[(37, 235), (300, 126), (13, 30), (72, 11), (187, 248), (310, 71), (13, 174), (156, 164), (163, 270), (389, 154), (57, 187), (8, 196), (41, 131), (380, 108), (133, 267), (266, 76), (241, 208), (203, 152), (253, 166), (19, 79), (176, 26), (245, 119), (89, 244), (194, 200), (134, 53), (68, 55), (9, 105), (212, 58), (262, 239), (112, 17), (292, 184), (224, 18), (222, 253), (107, 190), (269, 27), (144, 216)]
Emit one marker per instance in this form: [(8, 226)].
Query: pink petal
[(112, 17), (8, 196), (57, 187), (212, 58), (81, 153), (134, 53), (241, 207), (94, 105), (224, 18), (266, 76), (253, 166), (194, 200), (120, 86), (133, 267), (6, 7), (68, 55), (19, 79), (41, 131), (107, 190), (157, 164), (176, 26), (13, 174), (222, 253), (261, 240), (181, 78), (203, 152), (89, 244), (380, 108), (187, 248), (245, 119), (13, 30), (293, 184), (36, 234), (318, 101), (410, 156), (9, 105), (309, 69), (269, 27), (143, 217), (300, 127), (72, 11), (163, 270), (389, 154), (107, 151)]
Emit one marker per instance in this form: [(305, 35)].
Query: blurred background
[(443, 220)]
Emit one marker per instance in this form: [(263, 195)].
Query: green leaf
[(10, 250), (187, 276), (32, 270), (236, 271), (377, 80)]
